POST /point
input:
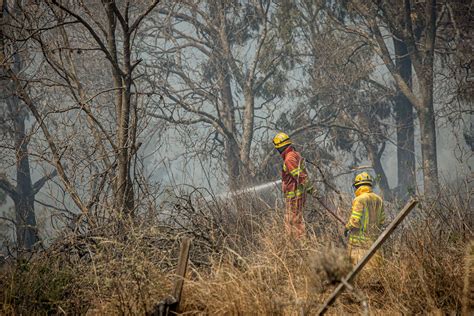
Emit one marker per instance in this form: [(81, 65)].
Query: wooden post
[(388, 231), (171, 303), (181, 269)]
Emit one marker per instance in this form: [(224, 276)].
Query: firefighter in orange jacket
[(295, 184), (366, 219)]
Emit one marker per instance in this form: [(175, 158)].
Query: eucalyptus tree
[(340, 106), (405, 122), (415, 24), (220, 69), (16, 136)]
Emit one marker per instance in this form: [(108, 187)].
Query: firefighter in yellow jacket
[(366, 220)]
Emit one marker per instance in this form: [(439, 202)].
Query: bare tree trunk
[(232, 149), (233, 163), (123, 185), (426, 112), (227, 115), (404, 119), (124, 178), (26, 230), (428, 142), (248, 126), (23, 194)]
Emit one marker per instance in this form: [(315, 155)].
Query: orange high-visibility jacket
[(367, 216), (295, 180)]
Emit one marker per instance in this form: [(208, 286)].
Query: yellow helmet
[(362, 178), (280, 140)]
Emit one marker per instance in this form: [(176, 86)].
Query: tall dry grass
[(282, 277), (422, 271), (242, 263)]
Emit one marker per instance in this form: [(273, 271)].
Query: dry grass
[(282, 277), (422, 271), (243, 263)]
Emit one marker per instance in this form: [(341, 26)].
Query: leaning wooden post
[(171, 303), (181, 271), (388, 231)]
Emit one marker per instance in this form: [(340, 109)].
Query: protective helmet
[(362, 178), (281, 140)]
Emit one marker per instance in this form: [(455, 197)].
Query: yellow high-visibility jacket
[(367, 217)]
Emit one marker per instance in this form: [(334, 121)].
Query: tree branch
[(410, 38), (218, 125), (118, 14), (6, 186), (190, 20), (261, 41), (178, 121), (381, 150), (380, 86), (94, 35), (384, 53), (143, 15), (41, 182)]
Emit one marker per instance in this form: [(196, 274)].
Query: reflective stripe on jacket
[(367, 216), (295, 180)]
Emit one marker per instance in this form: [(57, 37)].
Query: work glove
[(346, 232)]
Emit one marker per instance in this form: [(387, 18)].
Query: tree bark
[(404, 119), (426, 112), (23, 194), (226, 107), (428, 142), (247, 126), (232, 148), (26, 230), (233, 163), (124, 197), (124, 178)]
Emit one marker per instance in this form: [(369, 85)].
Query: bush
[(38, 286), (99, 273)]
